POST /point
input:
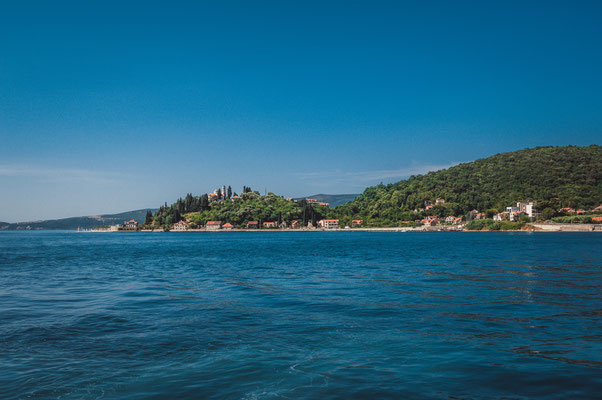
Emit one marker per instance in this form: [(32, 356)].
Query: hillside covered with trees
[(554, 177), (238, 210)]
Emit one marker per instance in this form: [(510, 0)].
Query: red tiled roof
[(227, 225), (214, 222), (252, 223), (597, 219)]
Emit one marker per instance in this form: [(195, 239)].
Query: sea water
[(320, 315)]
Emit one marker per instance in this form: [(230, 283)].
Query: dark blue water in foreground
[(300, 315)]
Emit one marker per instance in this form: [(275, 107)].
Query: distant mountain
[(555, 177), (332, 199), (81, 222)]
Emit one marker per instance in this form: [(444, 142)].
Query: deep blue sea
[(315, 315)]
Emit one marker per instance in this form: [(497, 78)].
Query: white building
[(501, 216), (329, 223), (181, 226), (527, 207), (131, 225)]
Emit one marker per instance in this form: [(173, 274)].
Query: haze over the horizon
[(110, 106)]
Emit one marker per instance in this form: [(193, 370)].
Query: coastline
[(444, 228)]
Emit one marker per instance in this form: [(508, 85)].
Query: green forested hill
[(250, 206), (555, 177), (87, 222)]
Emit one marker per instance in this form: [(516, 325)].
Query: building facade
[(213, 225), (329, 223)]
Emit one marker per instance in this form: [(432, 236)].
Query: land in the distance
[(508, 191), (84, 222)]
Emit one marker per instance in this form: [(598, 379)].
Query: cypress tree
[(204, 202), (149, 218)]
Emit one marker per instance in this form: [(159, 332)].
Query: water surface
[(300, 315)]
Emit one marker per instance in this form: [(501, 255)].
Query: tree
[(548, 213), (149, 218), (553, 177), (491, 212), (229, 192), (204, 202)]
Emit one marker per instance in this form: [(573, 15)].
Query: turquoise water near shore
[(300, 315)]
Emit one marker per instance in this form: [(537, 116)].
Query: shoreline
[(534, 228)]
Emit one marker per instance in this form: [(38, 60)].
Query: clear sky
[(112, 106)]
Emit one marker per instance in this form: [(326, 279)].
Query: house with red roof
[(599, 208), (227, 225), (597, 219), (357, 222), (130, 225), (213, 225), (269, 224), (253, 224), (453, 220), (430, 221)]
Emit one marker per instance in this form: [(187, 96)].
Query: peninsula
[(510, 191)]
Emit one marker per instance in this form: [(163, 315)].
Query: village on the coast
[(521, 211)]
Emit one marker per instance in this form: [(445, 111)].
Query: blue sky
[(112, 106)]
